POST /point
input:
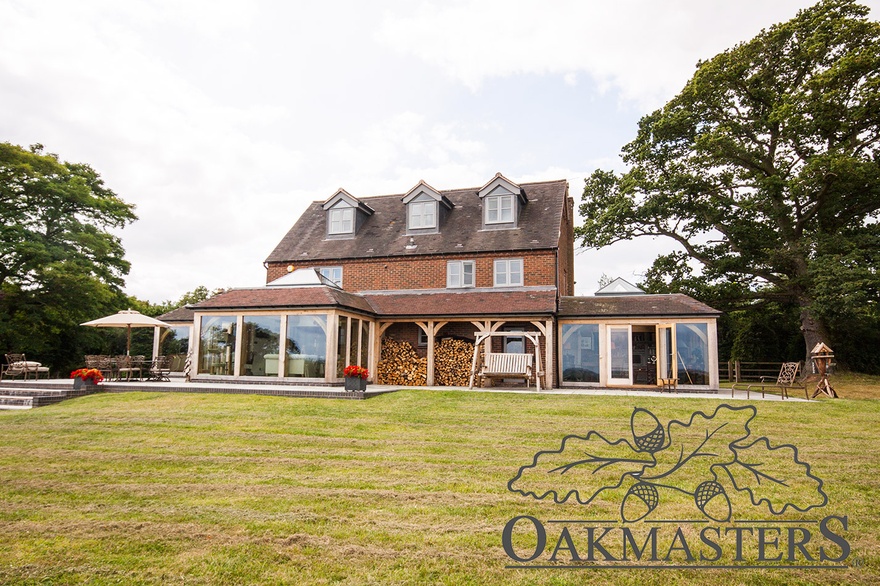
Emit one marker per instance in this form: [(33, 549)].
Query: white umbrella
[(127, 318)]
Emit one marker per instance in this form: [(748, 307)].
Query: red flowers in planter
[(89, 374), (354, 370)]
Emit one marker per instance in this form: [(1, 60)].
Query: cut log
[(452, 362), (400, 364)]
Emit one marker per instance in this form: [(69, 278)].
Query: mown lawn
[(406, 488)]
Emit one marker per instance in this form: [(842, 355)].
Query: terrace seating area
[(17, 365), (129, 368)]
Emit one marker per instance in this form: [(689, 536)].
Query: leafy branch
[(690, 457), (605, 462)]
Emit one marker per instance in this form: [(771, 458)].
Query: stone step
[(17, 391), (40, 394), (7, 402)]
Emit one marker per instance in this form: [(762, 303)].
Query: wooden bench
[(787, 379), (508, 366)]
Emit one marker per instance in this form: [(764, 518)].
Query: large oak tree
[(59, 263), (765, 170)]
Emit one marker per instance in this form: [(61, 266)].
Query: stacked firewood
[(400, 365), (452, 362)]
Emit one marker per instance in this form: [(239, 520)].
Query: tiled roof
[(384, 234), (284, 297), (674, 305), (435, 303), (464, 302), (181, 314)]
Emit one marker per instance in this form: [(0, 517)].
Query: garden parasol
[(127, 318)]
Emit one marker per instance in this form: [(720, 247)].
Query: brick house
[(431, 264)]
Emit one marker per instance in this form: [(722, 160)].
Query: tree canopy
[(765, 170), (59, 263)]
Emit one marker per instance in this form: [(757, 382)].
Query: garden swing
[(506, 365)]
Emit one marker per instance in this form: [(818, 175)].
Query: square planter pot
[(355, 383), (79, 383)]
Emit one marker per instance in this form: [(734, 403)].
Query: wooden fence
[(738, 371)]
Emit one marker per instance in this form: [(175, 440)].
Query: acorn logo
[(640, 499), (707, 457), (711, 498), (653, 439)]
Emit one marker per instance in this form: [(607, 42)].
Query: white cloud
[(644, 49), (392, 155), (222, 120)]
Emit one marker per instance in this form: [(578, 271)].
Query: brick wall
[(565, 262), (429, 272), (409, 332)]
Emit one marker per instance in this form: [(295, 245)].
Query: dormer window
[(345, 214), (422, 214), (341, 220), (499, 208), (503, 202), (426, 209)]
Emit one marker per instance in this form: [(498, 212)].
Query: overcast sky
[(222, 120)]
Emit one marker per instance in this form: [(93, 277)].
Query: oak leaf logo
[(697, 457)]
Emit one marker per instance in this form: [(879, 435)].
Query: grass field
[(405, 488)]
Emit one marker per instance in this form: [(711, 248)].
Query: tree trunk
[(813, 328)]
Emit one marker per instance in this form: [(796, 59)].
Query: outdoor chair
[(787, 379), (159, 369), (127, 366), (18, 365), (104, 364)]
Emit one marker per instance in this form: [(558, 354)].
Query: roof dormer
[(345, 214), (426, 209), (503, 201)]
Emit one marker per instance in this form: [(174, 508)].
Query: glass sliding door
[(580, 353), (261, 341), (666, 357), (217, 345), (306, 345), (692, 344), (619, 355)]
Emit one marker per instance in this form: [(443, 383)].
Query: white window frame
[(422, 215), (460, 274), (341, 220), (514, 338), (503, 272), (499, 206), (328, 272)]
